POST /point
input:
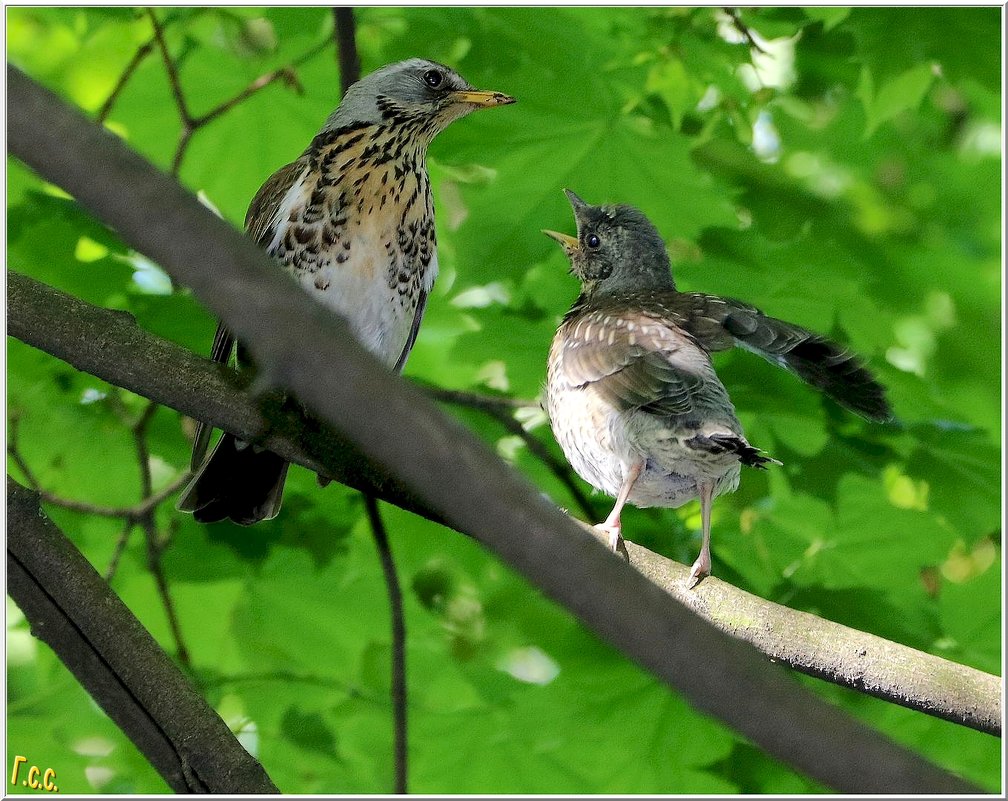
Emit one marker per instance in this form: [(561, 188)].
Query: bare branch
[(501, 408), (833, 652), (154, 552), (142, 52), (398, 666), (109, 344), (743, 30), (139, 431), (14, 451), (172, 71), (180, 148), (287, 677), (117, 552), (287, 73), (72, 609), (346, 46), (446, 467), (130, 513), (149, 527), (481, 401)]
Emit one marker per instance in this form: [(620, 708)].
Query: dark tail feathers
[(841, 375), (725, 443), (239, 481), (813, 358)]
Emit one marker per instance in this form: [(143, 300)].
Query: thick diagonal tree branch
[(110, 345), (72, 609), (453, 473)]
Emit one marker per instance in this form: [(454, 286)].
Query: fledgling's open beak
[(569, 243), (480, 98)]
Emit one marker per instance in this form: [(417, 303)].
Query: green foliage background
[(875, 217)]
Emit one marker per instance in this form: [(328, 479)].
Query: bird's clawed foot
[(614, 531), (701, 569)]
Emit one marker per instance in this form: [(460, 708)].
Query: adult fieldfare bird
[(352, 220), (631, 393)]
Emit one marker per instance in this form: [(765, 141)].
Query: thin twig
[(398, 643), (500, 409), (13, 428), (149, 527), (346, 46), (139, 431), (171, 69), (180, 149), (130, 513), (475, 400), (287, 677), (559, 468), (287, 73), (743, 29), (154, 563), (293, 677), (117, 552), (142, 52)]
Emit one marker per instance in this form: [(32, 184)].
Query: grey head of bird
[(414, 93), (617, 250)]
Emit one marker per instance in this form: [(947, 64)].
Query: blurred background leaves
[(836, 167)]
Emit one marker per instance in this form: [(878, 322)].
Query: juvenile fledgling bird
[(352, 220), (631, 392)]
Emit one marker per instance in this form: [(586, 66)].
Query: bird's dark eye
[(593, 241), (433, 78)]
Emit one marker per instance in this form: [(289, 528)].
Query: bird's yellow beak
[(481, 99), (567, 242)]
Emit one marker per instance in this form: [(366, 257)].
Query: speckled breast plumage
[(356, 229)]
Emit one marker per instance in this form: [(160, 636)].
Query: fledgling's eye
[(593, 241), (433, 78)]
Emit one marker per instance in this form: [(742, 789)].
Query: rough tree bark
[(458, 476), (110, 345), (73, 610)]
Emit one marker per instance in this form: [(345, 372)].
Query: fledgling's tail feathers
[(812, 357), (730, 443), (841, 375)]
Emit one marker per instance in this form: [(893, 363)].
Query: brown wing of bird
[(260, 213), (638, 361), (239, 480)]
